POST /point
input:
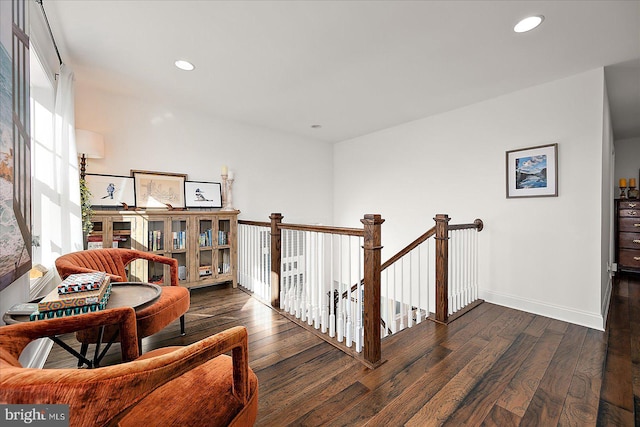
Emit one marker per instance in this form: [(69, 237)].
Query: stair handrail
[(477, 224)]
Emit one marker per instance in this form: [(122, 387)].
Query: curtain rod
[(55, 45)]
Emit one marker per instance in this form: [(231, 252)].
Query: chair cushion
[(173, 302), (202, 396)]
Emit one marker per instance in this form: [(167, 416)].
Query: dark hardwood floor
[(493, 366)]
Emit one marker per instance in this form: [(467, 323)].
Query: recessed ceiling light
[(184, 65), (528, 23)]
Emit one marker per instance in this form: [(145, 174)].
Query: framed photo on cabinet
[(159, 189), (533, 172), (199, 194), (110, 190)]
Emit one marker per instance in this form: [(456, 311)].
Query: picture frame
[(532, 172), (200, 194), (110, 190), (159, 189)]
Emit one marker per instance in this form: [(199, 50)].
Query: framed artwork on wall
[(200, 194), (159, 189), (111, 190), (15, 145), (533, 172)]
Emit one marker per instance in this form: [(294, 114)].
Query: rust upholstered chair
[(193, 385), (173, 302)]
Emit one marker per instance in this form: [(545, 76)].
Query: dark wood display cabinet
[(628, 235)]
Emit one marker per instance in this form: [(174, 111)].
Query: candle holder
[(623, 193), (227, 197)]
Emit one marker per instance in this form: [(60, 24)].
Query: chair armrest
[(14, 338), (119, 387), (129, 255), (234, 340)]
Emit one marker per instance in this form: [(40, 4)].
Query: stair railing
[(310, 269)]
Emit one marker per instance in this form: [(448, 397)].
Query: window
[(45, 182)]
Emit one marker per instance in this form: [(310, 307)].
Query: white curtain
[(68, 179)]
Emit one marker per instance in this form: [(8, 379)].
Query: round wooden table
[(137, 295)]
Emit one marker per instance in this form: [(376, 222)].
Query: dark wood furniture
[(628, 235)]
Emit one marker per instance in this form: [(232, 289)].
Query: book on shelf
[(205, 270), (179, 239), (94, 245), (155, 240), (205, 238), (223, 237)]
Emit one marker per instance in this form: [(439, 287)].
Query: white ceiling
[(353, 67)]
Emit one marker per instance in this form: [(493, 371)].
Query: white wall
[(539, 254), (627, 160), (607, 208), (274, 171)]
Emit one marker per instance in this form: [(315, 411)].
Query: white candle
[(230, 175), (224, 170)]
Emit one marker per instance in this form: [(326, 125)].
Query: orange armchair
[(174, 300), (169, 386)]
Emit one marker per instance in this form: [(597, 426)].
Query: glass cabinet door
[(178, 246), (95, 239), (121, 234), (224, 248), (205, 248), (156, 236)]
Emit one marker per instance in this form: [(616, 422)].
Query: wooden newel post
[(442, 267), (276, 258), (372, 268)]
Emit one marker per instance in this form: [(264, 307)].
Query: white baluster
[(385, 308), (359, 330), (349, 326), (294, 309), (324, 315), (313, 318), (469, 266), (419, 302), (285, 289), (402, 304), (411, 305), (332, 308), (458, 262), (341, 315), (476, 279), (392, 319)]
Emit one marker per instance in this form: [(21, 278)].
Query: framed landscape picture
[(159, 189), (200, 194), (533, 172), (111, 190)]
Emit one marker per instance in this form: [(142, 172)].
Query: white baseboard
[(36, 353), (606, 301), (579, 317)]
